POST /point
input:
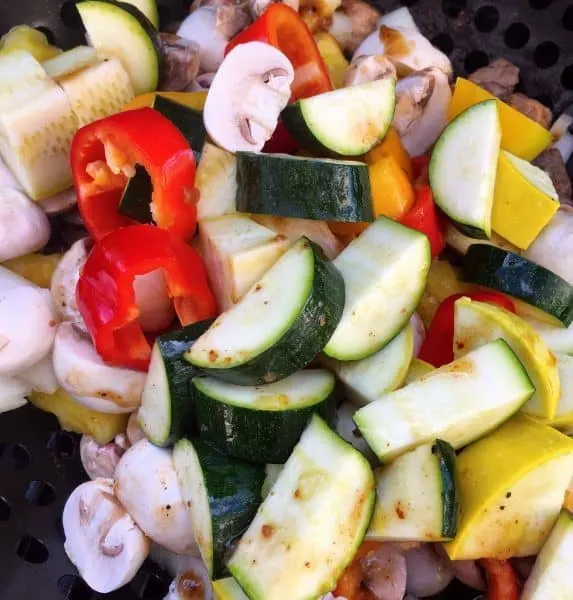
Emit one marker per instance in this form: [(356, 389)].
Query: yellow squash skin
[(512, 485)]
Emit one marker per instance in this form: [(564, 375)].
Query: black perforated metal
[(39, 464)]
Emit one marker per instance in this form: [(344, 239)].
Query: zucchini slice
[(216, 180), (513, 274), (279, 326), (367, 379), (416, 497), (305, 188), (260, 423), (118, 29), (385, 272), (463, 167), (167, 412), (228, 589), (309, 527), (345, 122), (491, 381), (222, 494), (148, 8)]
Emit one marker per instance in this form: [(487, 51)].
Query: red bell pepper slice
[(424, 217), (106, 299), (438, 347), (282, 27), (502, 583), (145, 137), (420, 166)]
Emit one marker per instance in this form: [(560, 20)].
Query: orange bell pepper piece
[(391, 145), (392, 192)]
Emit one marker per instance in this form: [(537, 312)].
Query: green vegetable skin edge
[(450, 498)]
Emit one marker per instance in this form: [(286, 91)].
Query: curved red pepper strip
[(146, 137), (502, 583), (438, 347), (282, 27), (106, 299)]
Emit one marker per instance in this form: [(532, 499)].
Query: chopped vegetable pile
[(312, 305)]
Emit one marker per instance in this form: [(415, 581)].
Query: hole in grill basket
[(150, 583), (539, 4), (4, 509), (48, 33), (453, 8), (476, 60), (32, 550), (59, 527), (568, 18), (73, 587), (567, 78), (70, 16), (546, 54), (545, 99), (17, 456), (516, 35), (443, 42), (40, 493), (408, 2), (487, 18), (62, 444)]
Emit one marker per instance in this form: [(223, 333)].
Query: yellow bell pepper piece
[(335, 60), (511, 486), (194, 100), (392, 191), (520, 135), (37, 268), (391, 145), (524, 201), (103, 427)]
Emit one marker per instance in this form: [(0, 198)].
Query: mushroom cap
[(102, 540)]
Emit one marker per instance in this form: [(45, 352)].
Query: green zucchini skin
[(290, 186), (513, 274), (305, 338), (260, 436), (450, 496), (234, 493)]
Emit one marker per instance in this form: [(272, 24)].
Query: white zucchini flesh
[(82, 373), (563, 418), (367, 379), (491, 381), (385, 272), (27, 323), (310, 525), (464, 164), (146, 485), (552, 576), (13, 393), (557, 339), (262, 316)]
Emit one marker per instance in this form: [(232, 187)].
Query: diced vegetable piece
[(385, 371), (385, 272), (167, 411), (118, 30), (392, 192), (416, 496), (519, 134), (552, 576), (237, 253), (319, 509), (37, 268), (27, 39), (70, 62), (391, 145), (194, 100), (307, 188), (344, 122), (333, 57), (228, 589), (261, 423), (511, 484), (418, 369), (524, 201), (216, 180), (148, 8), (477, 323), (513, 274), (103, 427), (222, 494), (463, 167), (491, 381)]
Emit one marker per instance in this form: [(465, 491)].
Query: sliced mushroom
[(422, 101), (353, 23), (399, 18), (102, 540), (100, 460), (65, 280), (429, 572), (249, 91), (531, 108), (202, 82), (552, 163), (13, 392), (134, 432), (146, 484), (40, 377), (24, 227), (181, 62), (368, 68), (82, 373), (562, 131), (408, 49), (499, 77), (191, 584), (60, 203), (27, 323)]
